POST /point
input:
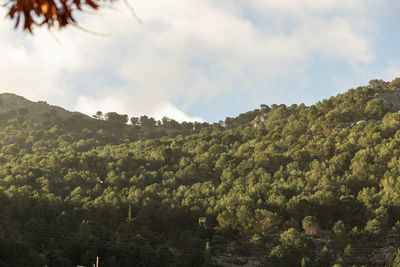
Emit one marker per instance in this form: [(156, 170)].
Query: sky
[(203, 60)]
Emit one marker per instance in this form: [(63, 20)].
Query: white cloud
[(120, 105), (333, 28), (300, 7), (192, 50), (390, 74), (170, 111)]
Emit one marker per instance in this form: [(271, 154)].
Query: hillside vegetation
[(279, 186)]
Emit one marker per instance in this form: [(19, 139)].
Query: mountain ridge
[(13, 104), (34, 111)]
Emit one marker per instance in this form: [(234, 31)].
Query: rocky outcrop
[(262, 118), (390, 98), (383, 256), (227, 256), (355, 123), (235, 261)]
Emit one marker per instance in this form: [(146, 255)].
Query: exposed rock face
[(390, 98), (230, 259), (262, 118), (383, 256), (236, 261), (33, 111), (10, 102), (355, 123)]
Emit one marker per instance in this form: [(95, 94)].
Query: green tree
[(292, 248), (98, 116), (310, 225), (115, 118)]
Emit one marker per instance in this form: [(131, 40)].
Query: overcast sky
[(204, 59)]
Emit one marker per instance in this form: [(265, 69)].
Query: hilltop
[(277, 186), (12, 105), (112, 125)]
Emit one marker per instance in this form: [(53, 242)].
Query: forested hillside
[(279, 186)]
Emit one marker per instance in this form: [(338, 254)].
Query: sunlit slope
[(279, 186)]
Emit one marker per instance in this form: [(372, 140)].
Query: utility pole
[(97, 262), (130, 213)]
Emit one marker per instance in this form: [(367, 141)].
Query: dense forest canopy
[(278, 186)]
